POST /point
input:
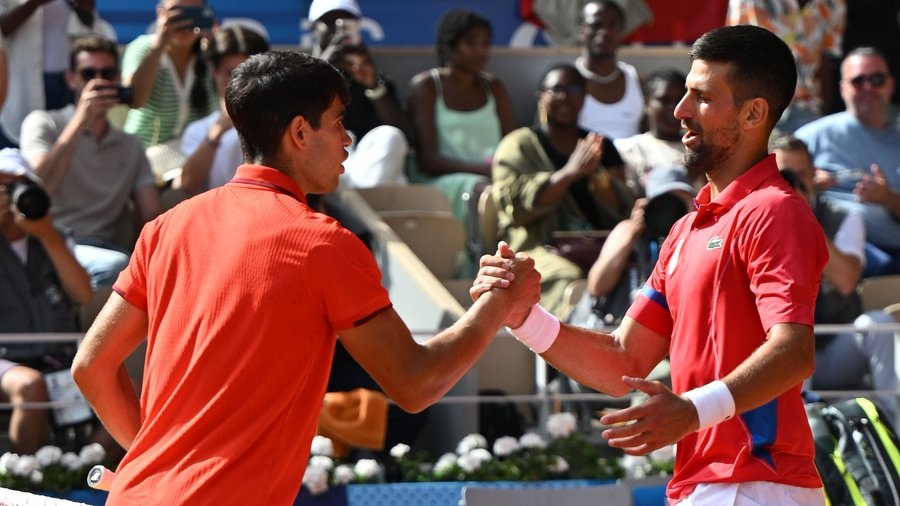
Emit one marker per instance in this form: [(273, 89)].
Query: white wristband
[(538, 331), (713, 403)]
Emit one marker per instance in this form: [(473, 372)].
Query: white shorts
[(753, 493)]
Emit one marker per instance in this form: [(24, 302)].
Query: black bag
[(856, 453)]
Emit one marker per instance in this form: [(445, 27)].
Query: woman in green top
[(171, 81), (459, 111)]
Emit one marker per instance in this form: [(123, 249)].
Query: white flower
[(481, 455), (558, 465), (71, 461), (505, 446), (367, 468), (36, 476), (48, 455), (315, 479), (343, 474), (635, 466), (8, 462), (321, 461), (445, 463), (399, 451), (532, 440), (468, 462), (664, 454), (561, 424), (321, 445), (92, 454), (25, 465), (471, 442)]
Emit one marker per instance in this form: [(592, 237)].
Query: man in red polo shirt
[(240, 292), (731, 300)]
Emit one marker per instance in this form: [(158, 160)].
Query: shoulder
[(824, 125), (422, 81)]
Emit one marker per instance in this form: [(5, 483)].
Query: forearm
[(52, 166), (115, 402), (144, 76), (556, 188), (75, 280), (783, 361), (11, 21), (843, 271), (892, 203), (607, 270)]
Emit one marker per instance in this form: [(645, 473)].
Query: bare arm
[(421, 105), (144, 76), (416, 375), (582, 163), (607, 270), (13, 19), (504, 106), (99, 368), (843, 271), (75, 280), (146, 198)]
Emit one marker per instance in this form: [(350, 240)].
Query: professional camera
[(29, 198)]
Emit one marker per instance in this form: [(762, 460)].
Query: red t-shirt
[(245, 289), (726, 274)]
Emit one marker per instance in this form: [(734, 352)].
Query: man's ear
[(297, 132), (70, 79), (755, 113)]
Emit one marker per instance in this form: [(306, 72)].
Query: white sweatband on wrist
[(713, 402), (538, 331)]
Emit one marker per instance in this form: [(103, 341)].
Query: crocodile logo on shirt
[(714, 243)]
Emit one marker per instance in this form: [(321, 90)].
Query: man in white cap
[(42, 283), (378, 126)]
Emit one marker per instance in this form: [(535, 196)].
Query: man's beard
[(707, 157)]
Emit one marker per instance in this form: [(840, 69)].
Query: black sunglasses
[(88, 73), (877, 80)]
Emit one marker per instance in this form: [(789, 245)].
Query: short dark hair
[(92, 44), (659, 80), (609, 3), (563, 66), (454, 25), (235, 40), (788, 142), (870, 51), (270, 89), (762, 64)]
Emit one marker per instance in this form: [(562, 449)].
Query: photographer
[(90, 168), (40, 284)]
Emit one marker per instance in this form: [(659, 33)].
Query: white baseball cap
[(666, 179), (319, 8), (12, 163)]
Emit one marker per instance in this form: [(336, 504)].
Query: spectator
[(814, 30), (857, 153), (38, 37), (614, 104), (660, 146), (459, 112), (42, 282), (172, 85), (375, 120), (91, 168), (5, 141), (553, 177), (210, 145), (843, 360)]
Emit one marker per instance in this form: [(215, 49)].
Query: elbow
[(411, 401), (81, 372)]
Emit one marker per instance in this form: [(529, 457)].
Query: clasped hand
[(508, 269)]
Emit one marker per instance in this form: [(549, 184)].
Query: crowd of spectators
[(602, 161)]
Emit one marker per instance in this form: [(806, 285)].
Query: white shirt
[(620, 119)]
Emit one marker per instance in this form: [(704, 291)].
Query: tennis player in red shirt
[(730, 301)]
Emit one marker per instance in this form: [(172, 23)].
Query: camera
[(29, 198), (125, 94), (201, 16)]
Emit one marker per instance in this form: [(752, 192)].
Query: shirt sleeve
[(784, 248), (348, 281), (134, 54), (650, 308), (39, 133), (132, 281)]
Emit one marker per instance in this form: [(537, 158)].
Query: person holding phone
[(172, 82), (90, 168)]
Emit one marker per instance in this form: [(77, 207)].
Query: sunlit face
[(472, 50), (326, 150), (709, 114), (561, 96), (867, 87), (90, 66), (222, 73), (601, 30), (661, 110)]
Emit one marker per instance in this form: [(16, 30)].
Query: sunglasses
[(877, 80), (88, 73), (572, 90)]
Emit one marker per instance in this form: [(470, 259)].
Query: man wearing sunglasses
[(90, 168), (857, 152)]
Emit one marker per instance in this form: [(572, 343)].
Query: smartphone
[(124, 93), (202, 16)]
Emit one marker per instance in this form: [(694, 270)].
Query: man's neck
[(732, 169)]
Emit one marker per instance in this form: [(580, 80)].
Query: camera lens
[(29, 198)]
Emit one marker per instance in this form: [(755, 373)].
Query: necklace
[(593, 76)]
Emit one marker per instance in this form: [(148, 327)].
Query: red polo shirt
[(245, 288), (728, 272)]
